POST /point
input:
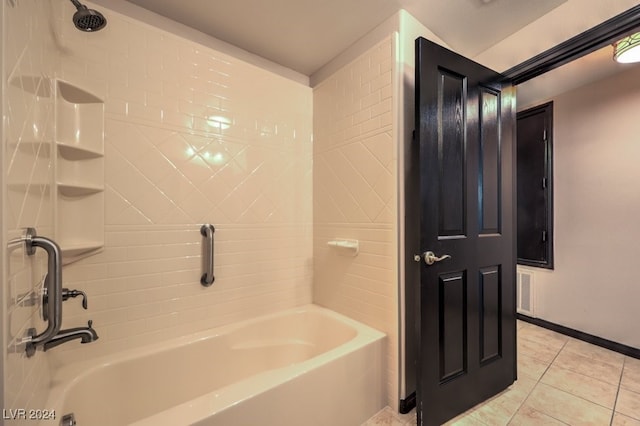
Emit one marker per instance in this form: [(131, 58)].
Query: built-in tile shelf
[(78, 185), (77, 190), (75, 152), (75, 250), (79, 172)]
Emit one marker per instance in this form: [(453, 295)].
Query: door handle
[(430, 257)]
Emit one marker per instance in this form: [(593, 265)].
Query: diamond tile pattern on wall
[(186, 178), (354, 196), (192, 136), (357, 181), (204, 135)]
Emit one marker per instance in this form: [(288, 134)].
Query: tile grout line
[(577, 372), (615, 403), (580, 397), (577, 352), (589, 359), (538, 382)]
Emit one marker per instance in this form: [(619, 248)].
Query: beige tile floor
[(561, 381)]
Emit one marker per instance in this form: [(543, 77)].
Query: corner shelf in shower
[(75, 152), (75, 248), (79, 171), (77, 190)]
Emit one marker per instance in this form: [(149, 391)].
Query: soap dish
[(348, 246)]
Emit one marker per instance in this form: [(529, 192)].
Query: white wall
[(354, 191), (594, 287), (26, 192), (186, 33), (341, 85)]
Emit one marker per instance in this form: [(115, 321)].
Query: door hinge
[(544, 236), (544, 183), (544, 135)]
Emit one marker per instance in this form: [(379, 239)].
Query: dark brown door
[(535, 186), (465, 130)]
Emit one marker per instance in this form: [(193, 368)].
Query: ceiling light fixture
[(627, 50)]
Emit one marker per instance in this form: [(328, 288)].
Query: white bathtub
[(306, 366)]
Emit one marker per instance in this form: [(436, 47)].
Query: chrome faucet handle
[(66, 294)]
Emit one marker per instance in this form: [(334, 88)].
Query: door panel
[(453, 293), (490, 162), (465, 118), (451, 94), (490, 314)]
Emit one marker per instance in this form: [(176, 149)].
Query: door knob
[(430, 257)]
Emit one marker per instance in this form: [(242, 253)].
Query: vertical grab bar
[(207, 231), (53, 289)]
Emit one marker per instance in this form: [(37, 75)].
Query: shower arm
[(53, 289), (78, 5)]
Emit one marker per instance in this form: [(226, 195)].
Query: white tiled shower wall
[(355, 190), (26, 183), (192, 136)]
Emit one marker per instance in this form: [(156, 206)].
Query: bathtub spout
[(85, 334)]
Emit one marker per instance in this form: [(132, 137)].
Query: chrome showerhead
[(87, 19)]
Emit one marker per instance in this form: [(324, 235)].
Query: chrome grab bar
[(207, 231), (53, 289)]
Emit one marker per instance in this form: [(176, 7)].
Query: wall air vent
[(525, 292)]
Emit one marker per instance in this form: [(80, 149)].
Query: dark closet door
[(535, 186), (465, 124)]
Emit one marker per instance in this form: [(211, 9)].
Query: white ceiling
[(595, 66), (303, 35), (471, 26)]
